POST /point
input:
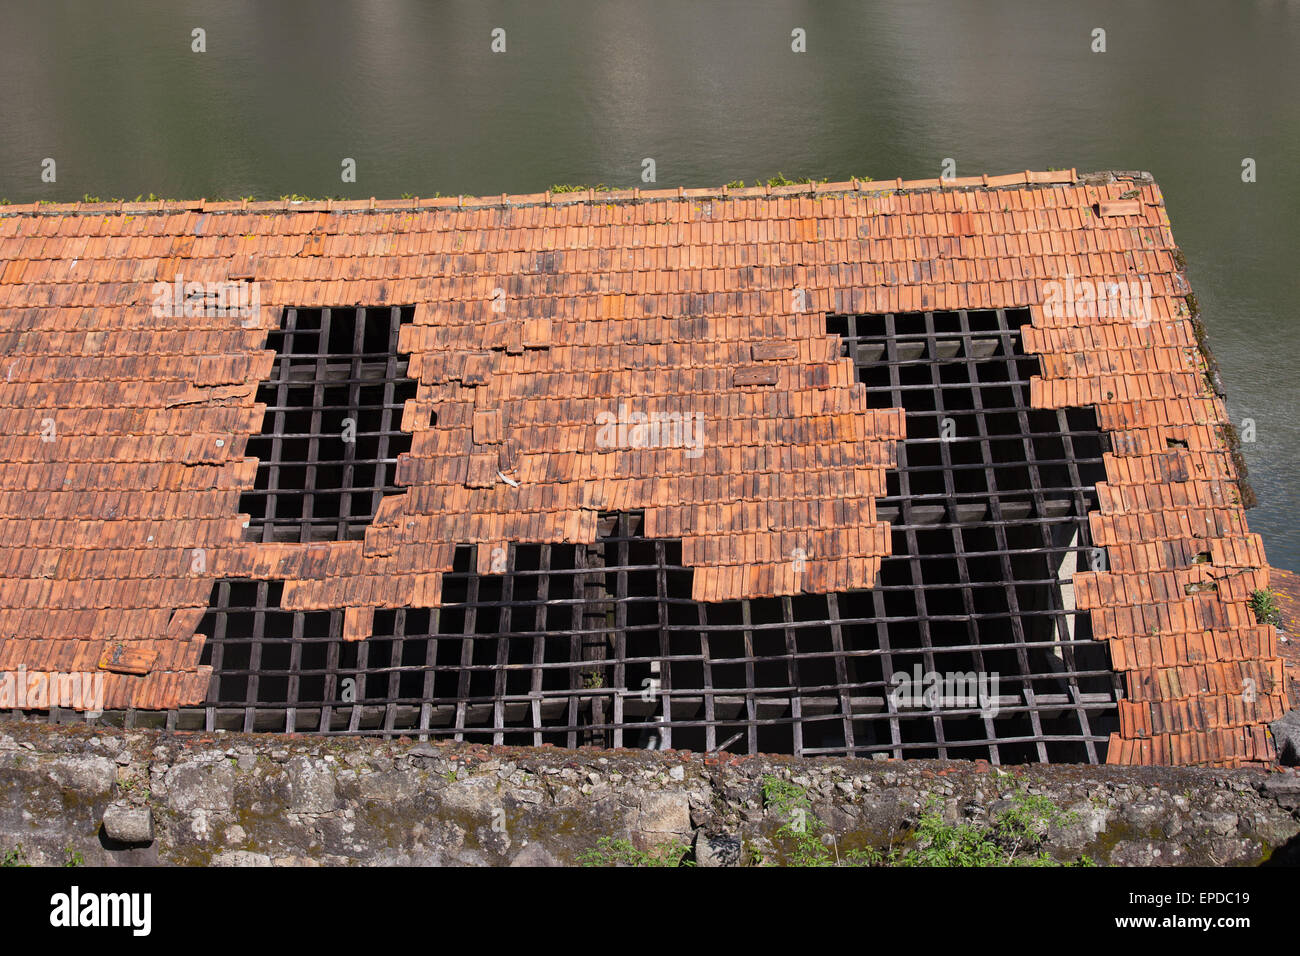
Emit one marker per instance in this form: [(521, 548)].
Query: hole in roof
[(603, 643), (988, 509), (328, 446)]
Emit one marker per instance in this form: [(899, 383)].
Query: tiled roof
[(1286, 587), (119, 515)]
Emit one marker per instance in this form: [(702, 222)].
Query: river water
[(712, 92)]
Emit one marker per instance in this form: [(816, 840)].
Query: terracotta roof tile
[(659, 300)]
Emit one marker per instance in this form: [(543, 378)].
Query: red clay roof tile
[(641, 299)]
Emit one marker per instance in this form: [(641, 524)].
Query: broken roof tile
[(619, 308)]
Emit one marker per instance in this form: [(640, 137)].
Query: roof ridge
[(1051, 177)]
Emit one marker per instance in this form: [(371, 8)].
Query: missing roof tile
[(988, 508), (603, 643), (267, 662), (327, 451)]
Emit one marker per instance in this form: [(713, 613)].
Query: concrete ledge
[(257, 800)]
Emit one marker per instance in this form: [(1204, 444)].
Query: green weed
[(610, 851)]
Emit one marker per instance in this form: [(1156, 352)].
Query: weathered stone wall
[(257, 800)]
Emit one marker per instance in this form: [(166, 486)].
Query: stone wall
[(116, 797)]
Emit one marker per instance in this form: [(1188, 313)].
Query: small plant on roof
[(572, 188), (1263, 602)]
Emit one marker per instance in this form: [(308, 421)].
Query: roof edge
[(1054, 177)]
